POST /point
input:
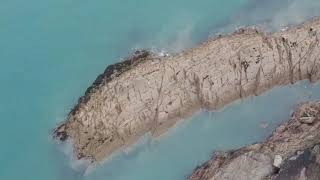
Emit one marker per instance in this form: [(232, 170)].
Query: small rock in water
[(264, 125)]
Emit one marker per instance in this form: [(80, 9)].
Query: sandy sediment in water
[(150, 93)]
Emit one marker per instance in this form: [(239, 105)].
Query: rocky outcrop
[(109, 73), (291, 153), (305, 165), (150, 93)]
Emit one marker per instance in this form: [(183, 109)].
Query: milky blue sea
[(52, 50)]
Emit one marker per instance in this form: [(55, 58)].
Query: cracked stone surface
[(296, 142), (150, 93)]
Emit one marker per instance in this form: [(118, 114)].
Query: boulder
[(307, 120), (277, 161)]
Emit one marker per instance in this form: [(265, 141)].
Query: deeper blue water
[(51, 50)]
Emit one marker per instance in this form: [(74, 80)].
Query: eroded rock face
[(253, 166), (291, 153), (302, 166), (149, 93)]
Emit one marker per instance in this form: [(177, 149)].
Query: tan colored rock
[(150, 93), (252, 165), (277, 161), (307, 120), (293, 151)]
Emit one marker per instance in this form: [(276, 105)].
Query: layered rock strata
[(291, 153), (150, 93)]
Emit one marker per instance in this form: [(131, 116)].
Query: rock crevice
[(151, 93)]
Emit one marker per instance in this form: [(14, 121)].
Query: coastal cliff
[(150, 93), (291, 153)]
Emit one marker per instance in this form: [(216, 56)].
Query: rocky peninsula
[(291, 153), (150, 93)]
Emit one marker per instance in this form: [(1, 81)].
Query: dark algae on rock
[(113, 70)]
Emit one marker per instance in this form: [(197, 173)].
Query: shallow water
[(51, 50)]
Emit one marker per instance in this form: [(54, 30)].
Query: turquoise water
[(51, 50)]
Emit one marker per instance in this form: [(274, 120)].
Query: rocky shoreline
[(150, 93), (112, 71), (292, 152)]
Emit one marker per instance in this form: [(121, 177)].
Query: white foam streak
[(80, 166)]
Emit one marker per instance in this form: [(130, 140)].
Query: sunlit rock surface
[(291, 153), (149, 93)]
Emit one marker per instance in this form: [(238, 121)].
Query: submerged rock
[(150, 93), (291, 153)]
